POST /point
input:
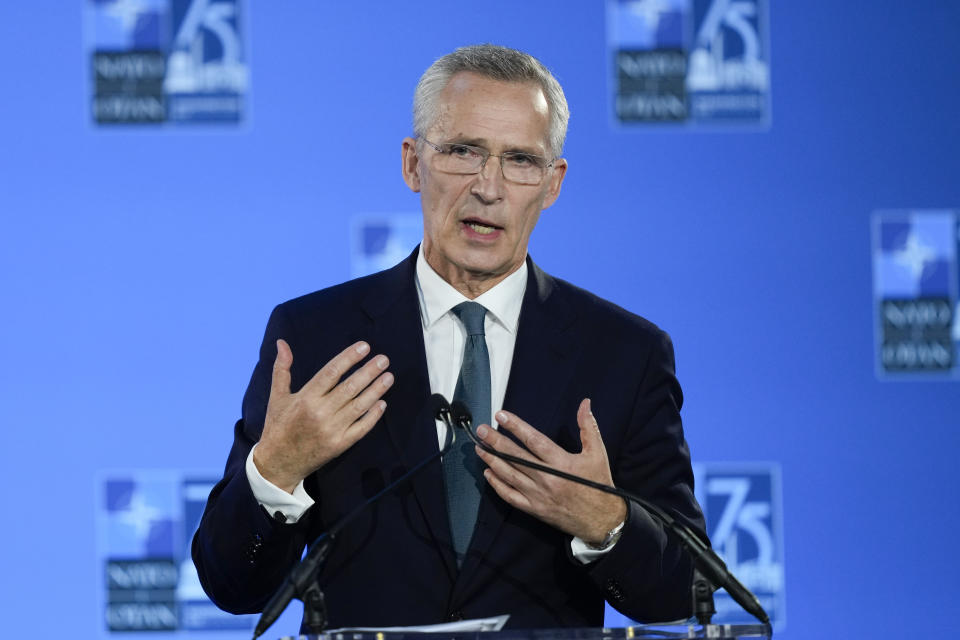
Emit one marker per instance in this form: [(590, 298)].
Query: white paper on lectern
[(463, 626)]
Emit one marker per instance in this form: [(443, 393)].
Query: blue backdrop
[(138, 267)]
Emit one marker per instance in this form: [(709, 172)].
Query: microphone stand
[(301, 583), (712, 571), (702, 593)]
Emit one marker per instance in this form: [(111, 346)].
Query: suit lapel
[(544, 357), (398, 332)]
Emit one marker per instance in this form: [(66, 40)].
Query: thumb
[(590, 438), (280, 386)]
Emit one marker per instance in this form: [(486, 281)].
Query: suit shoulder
[(608, 318), (349, 297), (333, 295)]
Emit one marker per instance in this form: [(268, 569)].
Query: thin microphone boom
[(705, 558)]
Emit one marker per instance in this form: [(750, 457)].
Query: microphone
[(441, 410), (704, 558), (301, 581), (463, 419)]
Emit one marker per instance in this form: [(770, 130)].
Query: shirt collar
[(437, 296)]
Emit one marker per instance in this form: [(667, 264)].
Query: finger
[(350, 389), (538, 444), (362, 426), (510, 495), (590, 438), (280, 383), (356, 407), (492, 438), (517, 476), (328, 377)]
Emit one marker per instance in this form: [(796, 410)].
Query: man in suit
[(333, 411)]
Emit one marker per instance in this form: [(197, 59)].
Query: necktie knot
[(471, 314)]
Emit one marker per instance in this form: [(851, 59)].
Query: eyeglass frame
[(487, 155)]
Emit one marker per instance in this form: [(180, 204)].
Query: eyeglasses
[(464, 159)]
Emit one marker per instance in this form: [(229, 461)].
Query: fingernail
[(501, 417), (387, 379), (482, 431), (382, 405), (382, 362), (362, 348)]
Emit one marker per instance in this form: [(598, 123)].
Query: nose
[(488, 185)]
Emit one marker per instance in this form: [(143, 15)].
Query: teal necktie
[(461, 466)]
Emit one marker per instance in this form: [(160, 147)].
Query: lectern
[(663, 632)]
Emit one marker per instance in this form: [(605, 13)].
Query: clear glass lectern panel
[(715, 631)]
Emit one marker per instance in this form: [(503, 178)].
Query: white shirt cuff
[(584, 554), (273, 498)]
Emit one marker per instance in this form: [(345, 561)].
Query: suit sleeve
[(647, 575), (241, 553)]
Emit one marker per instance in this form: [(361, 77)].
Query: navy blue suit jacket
[(394, 565)]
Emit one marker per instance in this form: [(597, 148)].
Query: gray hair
[(497, 63)]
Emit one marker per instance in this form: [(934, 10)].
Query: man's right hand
[(305, 430)]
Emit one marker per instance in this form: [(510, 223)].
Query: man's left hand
[(573, 508)]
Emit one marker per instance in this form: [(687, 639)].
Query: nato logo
[(690, 62), (378, 242), (157, 61), (916, 282), (146, 521), (650, 60), (742, 506)]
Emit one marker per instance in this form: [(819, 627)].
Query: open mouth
[(483, 228)]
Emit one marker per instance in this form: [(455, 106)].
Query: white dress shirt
[(444, 337)]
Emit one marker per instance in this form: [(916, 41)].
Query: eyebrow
[(482, 142)]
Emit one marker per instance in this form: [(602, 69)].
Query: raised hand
[(573, 508), (305, 430)]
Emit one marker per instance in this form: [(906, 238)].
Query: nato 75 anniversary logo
[(742, 504)]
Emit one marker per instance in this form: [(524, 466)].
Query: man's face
[(476, 227)]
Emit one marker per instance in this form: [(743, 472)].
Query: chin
[(481, 262)]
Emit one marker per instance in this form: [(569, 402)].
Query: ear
[(410, 164), (555, 181)]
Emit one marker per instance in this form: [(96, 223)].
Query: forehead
[(496, 113)]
